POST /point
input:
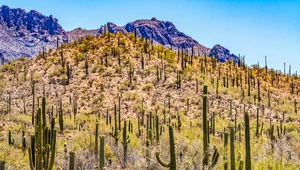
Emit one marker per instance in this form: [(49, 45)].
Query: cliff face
[(27, 33)]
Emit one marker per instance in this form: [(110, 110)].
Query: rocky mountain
[(161, 32), (27, 33), (165, 33), (222, 53)]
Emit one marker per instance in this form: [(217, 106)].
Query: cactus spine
[(172, 164)]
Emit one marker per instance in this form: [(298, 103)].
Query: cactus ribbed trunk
[(247, 142), (96, 139), (72, 161), (232, 154), (205, 135), (101, 156)]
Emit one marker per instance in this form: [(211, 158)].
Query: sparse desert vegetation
[(116, 101)]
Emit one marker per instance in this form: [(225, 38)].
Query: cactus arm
[(160, 161), (30, 159), (215, 158), (47, 155), (53, 146)]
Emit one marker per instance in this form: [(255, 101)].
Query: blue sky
[(253, 28)]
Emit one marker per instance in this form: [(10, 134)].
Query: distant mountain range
[(27, 33)]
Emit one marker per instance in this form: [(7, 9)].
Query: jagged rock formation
[(161, 32), (222, 54), (27, 33)]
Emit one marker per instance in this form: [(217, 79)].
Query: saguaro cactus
[(125, 142), (101, 156), (232, 154), (205, 135), (96, 139), (172, 164), (157, 128), (247, 142), (72, 161), (43, 144), (115, 133), (11, 141), (61, 118)]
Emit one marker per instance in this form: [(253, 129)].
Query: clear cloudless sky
[(254, 28)]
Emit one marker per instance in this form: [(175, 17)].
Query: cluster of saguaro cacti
[(43, 143), (172, 164), (149, 129)]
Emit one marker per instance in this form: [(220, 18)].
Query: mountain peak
[(222, 53), (27, 33), (160, 32), (154, 19)]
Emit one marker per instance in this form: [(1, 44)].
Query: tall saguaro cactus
[(172, 164), (101, 156), (43, 145), (232, 154), (247, 142), (205, 135), (125, 142), (96, 139)]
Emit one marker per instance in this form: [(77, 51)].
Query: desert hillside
[(144, 99)]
